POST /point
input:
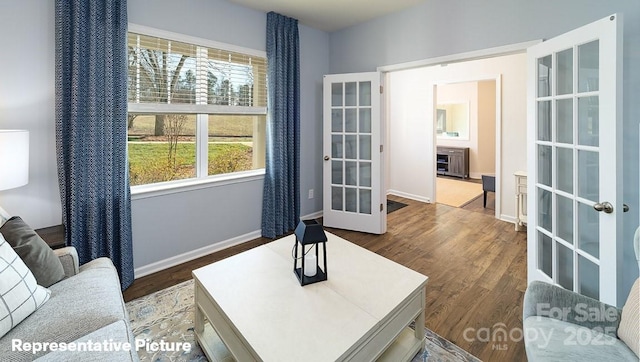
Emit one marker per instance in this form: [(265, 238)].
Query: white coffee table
[(251, 307)]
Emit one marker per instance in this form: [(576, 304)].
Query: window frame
[(202, 180)]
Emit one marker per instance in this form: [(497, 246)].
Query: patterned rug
[(167, 315)]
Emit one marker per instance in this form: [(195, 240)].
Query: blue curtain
[(281, 198), (91, 130)]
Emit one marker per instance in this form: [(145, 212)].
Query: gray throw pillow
[(36, 254)]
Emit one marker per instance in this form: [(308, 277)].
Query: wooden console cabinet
[(452, 161)]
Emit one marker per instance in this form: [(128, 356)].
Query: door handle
[(625, 208), (604, 206), (326, 158)]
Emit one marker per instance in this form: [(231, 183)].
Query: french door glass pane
[(350, 120), (350, 94), (588, 121), (336, 146), (564, 266), (336, 94), (544, 120), (545, 215), (588, 67), (351, 173), (589, 278), (350, 147), (544, 76), (365, 174), (365, 201), (336, 120), (545, 252), (365, 94), (365, 120), (588, 175), (336, 198), (365, 147), (588, 229), (564, 120), (565, 218), (351, 199), (544, 165), (564, 169), (336, 172), (565, 72)]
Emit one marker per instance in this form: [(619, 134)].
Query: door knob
[(326, 158), (625, 208), (604, 206)]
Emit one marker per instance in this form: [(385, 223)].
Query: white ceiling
[(329, 15)]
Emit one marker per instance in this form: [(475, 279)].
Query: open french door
[(575, 160), (354, 197)]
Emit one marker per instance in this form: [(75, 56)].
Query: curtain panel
[(281, 197), (91, 130)]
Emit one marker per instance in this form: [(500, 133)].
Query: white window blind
[(168, 72)]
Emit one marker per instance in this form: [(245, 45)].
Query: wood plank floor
[(476, 266)]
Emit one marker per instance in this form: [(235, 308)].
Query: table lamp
[(14, 158)]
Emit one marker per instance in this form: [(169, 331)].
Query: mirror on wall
[(452, 120)]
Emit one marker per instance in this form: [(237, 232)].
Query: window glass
[(182, 95)]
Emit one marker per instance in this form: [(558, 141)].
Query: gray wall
[(444, 27), (27, 99), (163, 226)]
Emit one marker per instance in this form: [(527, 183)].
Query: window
[(195, 109)]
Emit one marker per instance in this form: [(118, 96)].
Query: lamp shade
[(14, 158)]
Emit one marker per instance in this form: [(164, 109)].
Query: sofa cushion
[(629, 330), (549, 339), (78, 306), (20, 295), (34, 251)]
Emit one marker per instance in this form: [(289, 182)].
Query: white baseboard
[(315, 215), (409, 196), (508, 218), (194, 254), (209, 249)]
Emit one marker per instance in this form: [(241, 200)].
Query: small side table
[(488, 184), (521, 199), (53, 236)]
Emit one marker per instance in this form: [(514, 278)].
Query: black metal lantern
[(310, 235)]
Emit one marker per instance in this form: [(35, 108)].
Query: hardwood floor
[(476, 266)]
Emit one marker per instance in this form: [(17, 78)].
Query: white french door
[(575, 160), (352, 168)]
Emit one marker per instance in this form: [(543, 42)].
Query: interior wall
[(486, 164), (411, 151)]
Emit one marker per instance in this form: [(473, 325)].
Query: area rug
[(456, 193), (394, 206), (167, 316)]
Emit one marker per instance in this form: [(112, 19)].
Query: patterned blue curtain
[(281, 198), (91, 130)]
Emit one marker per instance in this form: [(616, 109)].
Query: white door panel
[(574, 160), (352, 167)]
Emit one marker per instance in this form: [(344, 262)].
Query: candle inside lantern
[(310, 265)]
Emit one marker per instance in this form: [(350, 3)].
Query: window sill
[(173, 187)]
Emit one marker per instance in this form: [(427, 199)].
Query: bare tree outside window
[(173, 88)]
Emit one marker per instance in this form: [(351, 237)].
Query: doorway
[(412, 129), (466, 118)]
